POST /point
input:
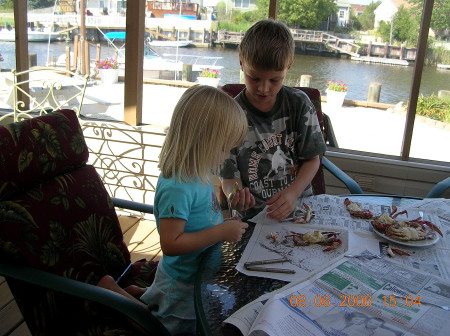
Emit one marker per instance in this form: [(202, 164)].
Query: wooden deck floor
[(142, 240)]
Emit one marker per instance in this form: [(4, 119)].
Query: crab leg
[(432, 226), (336, 242)]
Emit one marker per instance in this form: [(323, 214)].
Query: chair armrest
[(439, 189), (339, 174), (128, 308), (130, 205)]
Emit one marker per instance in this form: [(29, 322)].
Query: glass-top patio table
[(220, 290)]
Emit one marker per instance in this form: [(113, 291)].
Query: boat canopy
[(116, 35)]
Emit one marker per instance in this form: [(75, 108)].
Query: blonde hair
[(205, 122), (267, 45)]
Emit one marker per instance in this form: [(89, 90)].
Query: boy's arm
[(283, 203), (174, 241), (242, 199)]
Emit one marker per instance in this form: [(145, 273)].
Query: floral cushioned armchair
[(56, 216)]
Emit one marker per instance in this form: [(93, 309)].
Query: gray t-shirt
[(275, 141)]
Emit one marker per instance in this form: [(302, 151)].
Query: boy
[(280, 154)]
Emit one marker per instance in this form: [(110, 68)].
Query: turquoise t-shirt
[(194, 202)]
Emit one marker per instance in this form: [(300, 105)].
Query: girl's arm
[(174, 241), (283, 203)]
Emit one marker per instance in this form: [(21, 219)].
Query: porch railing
[(126, 158)]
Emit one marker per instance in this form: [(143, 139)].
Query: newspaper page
[(278, 242), (353, 297), (331, 214)]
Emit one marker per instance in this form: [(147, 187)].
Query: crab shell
[(406, 232), (356, 211)]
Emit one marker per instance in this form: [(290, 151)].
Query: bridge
[(300, 35)]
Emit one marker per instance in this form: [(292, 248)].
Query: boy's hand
[(242, 200), (232, 230), (282, 204)]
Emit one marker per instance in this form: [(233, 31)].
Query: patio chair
[(439, 189), (59, 234), (318, 182), (40, 90)]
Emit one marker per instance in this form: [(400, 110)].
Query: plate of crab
[(416, 232)]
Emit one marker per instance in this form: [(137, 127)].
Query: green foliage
[(367, 18), (299, 13), (33, 4), (6, 5), (221, 10), (436, 54), (405, 28), (440, 16), (230, 26), (434, 107)]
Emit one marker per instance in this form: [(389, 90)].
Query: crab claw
[(400, 252), (434, 227), (394, 215), (335, 244)]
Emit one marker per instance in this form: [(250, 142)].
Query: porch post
[(273, 9), (20, 23), (417, 77), (134, 61)]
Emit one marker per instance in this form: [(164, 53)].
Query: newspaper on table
[(332, 215), (352, 297)]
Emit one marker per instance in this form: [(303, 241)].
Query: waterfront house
[(343, 13), (387, 9)]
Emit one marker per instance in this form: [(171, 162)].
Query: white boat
[(37, 35), (165, 43), (168, 66)]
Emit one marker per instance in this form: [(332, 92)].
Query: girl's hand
[(282, 204), (232, 230), (242, 200)]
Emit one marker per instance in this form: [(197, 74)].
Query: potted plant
[(108, 70), (209, 77), (336, 91)]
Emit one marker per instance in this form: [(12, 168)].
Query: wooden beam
[(134, 62), (273, 9), (20, 26), (417, 77)]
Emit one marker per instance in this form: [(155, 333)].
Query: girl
[(205, 125)]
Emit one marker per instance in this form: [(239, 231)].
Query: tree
[(441, 13), (33, 4), (367, 18), (300, 13), (405, 27)]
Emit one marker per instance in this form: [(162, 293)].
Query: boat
[(167, 66), (164, 43), (36, 35)]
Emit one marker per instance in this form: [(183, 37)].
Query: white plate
[(412, 243)]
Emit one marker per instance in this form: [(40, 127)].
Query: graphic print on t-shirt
[(270, 164)]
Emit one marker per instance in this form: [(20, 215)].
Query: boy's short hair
[(267, 45)]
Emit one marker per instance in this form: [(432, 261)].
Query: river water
[(395, 80)]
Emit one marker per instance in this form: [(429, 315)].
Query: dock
[(381, 60)]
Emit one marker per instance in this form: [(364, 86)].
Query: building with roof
[(387, 9)]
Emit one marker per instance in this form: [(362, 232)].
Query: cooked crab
[(382, 222), (316, 237), (356, 211), (307, 214), (415, 229)]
